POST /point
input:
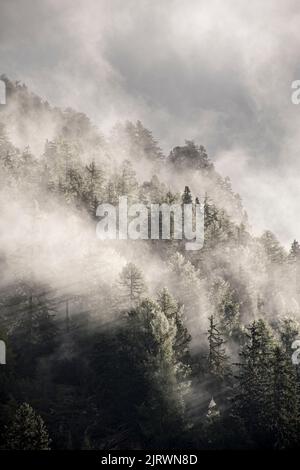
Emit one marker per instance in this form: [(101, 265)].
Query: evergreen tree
[(111, 192), (288, 331), (174, 312), (253, 399), (132, 281), (187, 196), (274, 251), (188, 287), (144, 140), (151, 338), (190, 156), (294, 254), (285, 415), (127, 184), (226, 304), (93, 185), (213, 233), (27, 431), (212, 432), (294, 263), (153, 191), (217, 359), (212, 411)]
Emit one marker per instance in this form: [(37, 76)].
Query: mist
[(161, 103)]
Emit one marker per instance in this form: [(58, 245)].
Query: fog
[(214, 72), (219, 74)]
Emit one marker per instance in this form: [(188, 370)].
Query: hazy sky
[(216, 71)]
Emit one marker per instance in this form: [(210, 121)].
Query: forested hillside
[(132, 344)]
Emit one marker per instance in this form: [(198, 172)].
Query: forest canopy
[(135, 344)]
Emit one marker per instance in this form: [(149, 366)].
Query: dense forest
[(135, 344)]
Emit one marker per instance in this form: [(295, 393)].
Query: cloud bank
[(216, 72)]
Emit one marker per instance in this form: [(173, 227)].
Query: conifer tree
[(190, 156), (174, 312), (294, 262), (226, 304), (294, 254), (111, 192), (253, 398), (217, 359), (274, 251), (144, 140), (127, 184), (94, 182), (152, 338), (27, 431), (285, 402), (288, 331), (212, 223), (132, 281), (187, 196)]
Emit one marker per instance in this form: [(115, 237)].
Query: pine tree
[(27, 431), (145, 141), (294, 254), (94, 182), (151, 338), (212, 433), (204, 161), (212, 224), (285, 415), (174, 312), (253, 398), (153, 191), (274, 251), (187, 196), (111, 192), (190, 156), (288, 330), (212, 411), (188, 287), (226, 304), (217, 359), (294, 263), (7, 150), (127, 184), (132, 281)]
